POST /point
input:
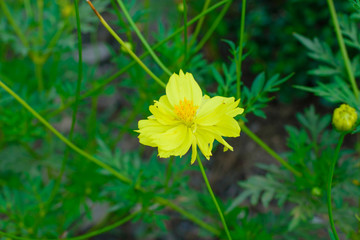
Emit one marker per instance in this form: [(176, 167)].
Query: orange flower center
[(186, 111)]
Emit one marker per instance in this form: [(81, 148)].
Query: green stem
[(127, 67), (118, 175), (13, 24), (238, 69), (213, 197), (142, 39), (332, 168), (169, 171), (40, 6), (213, 27), (199, 24), (194, 219), (39, 74), (185, 33), (343, 48), (268, 149), (75, 108), (118, 13), (64, 139), (131, 53), (85, 236)]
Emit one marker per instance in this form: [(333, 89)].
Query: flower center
[(186, 111)]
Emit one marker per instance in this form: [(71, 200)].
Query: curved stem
[(332, 168), (86, 235), (268, 149), (64, 139), (75, 108), (142, 39), (213, 197), (131, 53), (238, 69), (199, 24), (343, 48), (213, 26), (14, 25), (113, 77), (118, 175)]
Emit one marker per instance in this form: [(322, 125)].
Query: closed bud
[(344, 118)]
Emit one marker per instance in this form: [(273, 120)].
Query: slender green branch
[(13, 24), (131, 53), (142, 39), (169, 171), (116, 75), (40, 14), (343, 48), (331, 174), (64, 139), (75, 107), (213, 197), (126, 26), (185, 33), (199, 24), (268, 149), (118, 175), (39, 71), (213, 27), (241, 40), (86, 235), (199, 222)]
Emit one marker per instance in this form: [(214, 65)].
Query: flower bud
[(127, 46), (344, 118)]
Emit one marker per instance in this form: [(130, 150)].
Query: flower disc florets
[(184, 118), (344, 117)]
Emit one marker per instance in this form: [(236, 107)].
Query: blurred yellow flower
[(184, 118), (344, 117)]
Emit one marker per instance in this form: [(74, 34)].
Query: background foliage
[(292, 67)]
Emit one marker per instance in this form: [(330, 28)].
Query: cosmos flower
[(184, 118), (344, 117)]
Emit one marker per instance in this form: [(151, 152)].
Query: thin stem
[(343, 48), (213, 27), (118, 175), (169, 171), (199, 222), (332, 168), (13, 24), (131, 53), (39, 72), (142, 39), (40, 6), (113, 77), (199, 24), (64, 139), (213, 198), (185, 33), (268, 149), (75, 108), (118, 13), (238, 69), (87, 235)]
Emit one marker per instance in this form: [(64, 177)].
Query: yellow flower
[(184, 118), (344, 117)]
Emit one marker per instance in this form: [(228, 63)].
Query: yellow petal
[(205, 141), (182, 87), (194, 151), (148, 128), (163, 113), (176, 140), (227, 127)]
